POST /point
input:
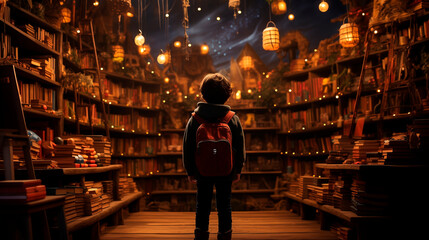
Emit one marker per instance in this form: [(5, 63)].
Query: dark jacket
[(211, 113)]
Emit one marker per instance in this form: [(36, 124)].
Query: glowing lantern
[(291, 17), (270, 38), (65, 15), (234, 3), (323, 6), (246, 63), (349, 35), (139, 39), (177, 44), (144, 50), (278, 7), (161, 58), (204, 49), (118, 53)]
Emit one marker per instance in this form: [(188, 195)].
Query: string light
[(291, 17)]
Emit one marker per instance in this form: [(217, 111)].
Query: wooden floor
[(262, 225)]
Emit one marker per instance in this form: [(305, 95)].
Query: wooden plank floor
[(264, 225)]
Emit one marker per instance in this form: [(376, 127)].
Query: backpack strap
[(228, 117), (199, 119), (225, 119)]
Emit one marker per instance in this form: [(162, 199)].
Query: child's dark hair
[(215, 88)]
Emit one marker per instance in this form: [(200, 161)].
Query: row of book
[(172, 142), (316, 145), (139, 167), (85, 113), (130, 95), (261, 141), (128, 123), (44, 36), (134, 146), (42, 65), (21, 191), (310, 89), (35, 92), (126, 186), (309, 118)]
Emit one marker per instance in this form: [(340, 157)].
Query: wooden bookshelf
[(262, 151), (330, 127), (174, 192), (27, 74)]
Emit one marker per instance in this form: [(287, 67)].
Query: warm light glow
[(349, 35), (278, 7), (363, 14), (177, 44), (139, 39), (218, 18), (375, 31), (167, 15), (238, 95), (204, 49), (189, 45), (118, 53), (96, 3), (239, 11), (130, 14), (65, 15), (161, 58), (77, 31), (144, 50), (199, 9), (166, 80), (323, 6), (291, 17), (270, 38), (249, 91), (246, 63)]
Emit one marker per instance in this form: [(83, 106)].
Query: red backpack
[(214, 146)]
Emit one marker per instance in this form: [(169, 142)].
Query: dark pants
[(223, 202)]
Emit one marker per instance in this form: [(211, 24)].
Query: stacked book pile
[(131, 186), (396, 150), (66, 155), (343, 233), (70, 208), (108, 189), (18, 152), (342, 148), (319, 194), (122, 186), (93, 197), (342, 193), (88, 152), (369, 198), (29, 29), (303, 182), (40, 105), (331, 189), (362, 147), (31, 64), (103, 147), (21, 191), (105, 201), (293, 188)]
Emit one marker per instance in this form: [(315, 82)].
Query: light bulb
[(139, 39), (323, 6), (291, 17)]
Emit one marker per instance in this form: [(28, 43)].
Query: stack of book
[(122, 186), (303, 182), (108, 188), (93, 203), (21, 191), (70, 208), (369, 198), (29, 29), (31, 64), (331, 189), (18, 152), (342, 144), (319, 194), (343, 233), (342, 193), (103, 147), (131, 185), (65, 155), (362, 147), (89, 154), (105, 201), (396, 151)]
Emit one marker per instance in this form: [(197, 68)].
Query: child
[(215, 90)]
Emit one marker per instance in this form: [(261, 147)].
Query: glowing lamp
[(349, 35), (144, 50), (323, 6), (118, 53), (246, 63), (96, 3), (270, 38), (65, 15), (291, 17), (278, 7), (161, 58), (139, 39), (234, 3), (204, 49), (177, 44)]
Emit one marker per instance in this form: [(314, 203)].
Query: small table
[(30, 220)]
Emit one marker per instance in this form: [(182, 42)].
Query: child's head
[(215, 88)]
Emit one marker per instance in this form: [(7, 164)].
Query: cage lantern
[(118, 53), (246, 63), (270, 38), (323, 6), (278, 7), (349, 35), (65, 15)]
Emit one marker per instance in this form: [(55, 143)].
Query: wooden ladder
[(12, 123), (87, 30)]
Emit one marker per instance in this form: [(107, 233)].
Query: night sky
[(227, 37)]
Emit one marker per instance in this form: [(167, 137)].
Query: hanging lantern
[(204, 49), (161, 58), (323, 6), (139, 39), (246, 63), (65, 15), (118, 53), (177, 44), (278, 7), (144, 50), (270, 38), (234, 3), (349, 35), (291, 17)]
